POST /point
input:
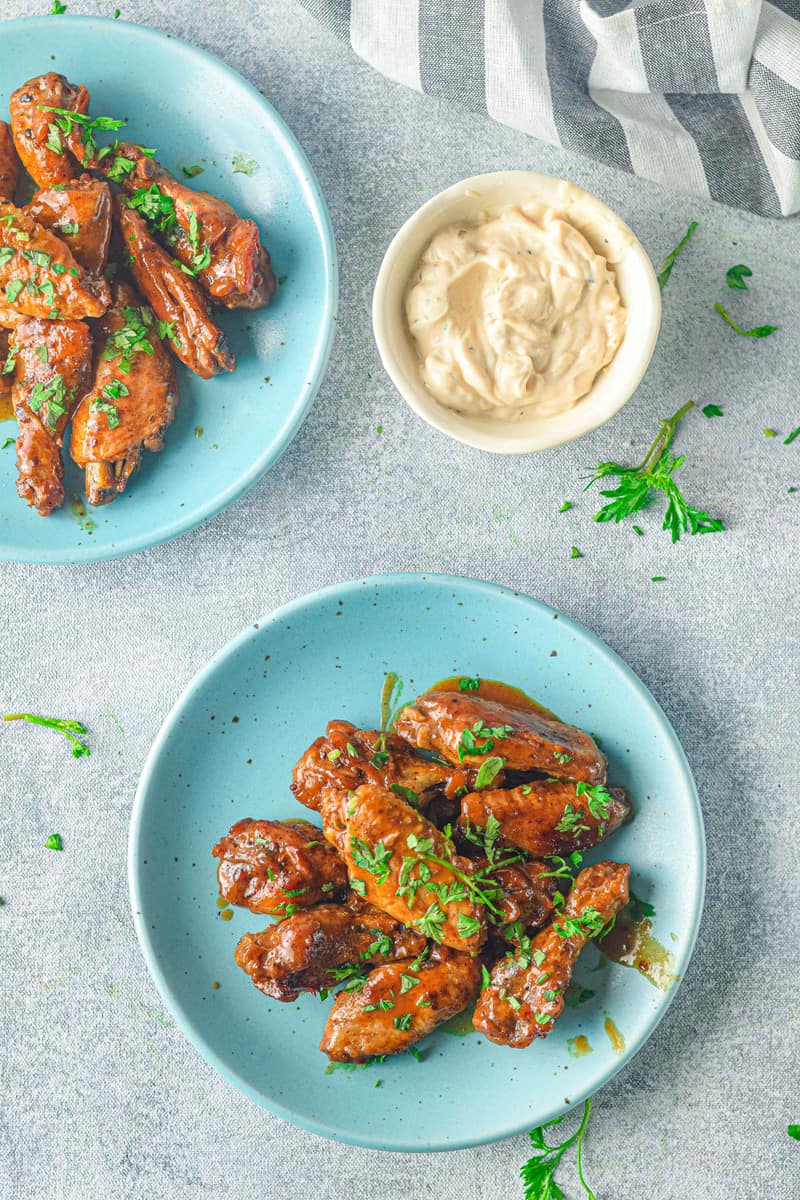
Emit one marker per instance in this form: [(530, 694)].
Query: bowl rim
[(474, 431)]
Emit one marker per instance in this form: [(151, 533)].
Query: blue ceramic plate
[(226, 751), (230, 429)]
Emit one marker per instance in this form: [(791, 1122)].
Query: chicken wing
[(38, 274), (346, 757), (270, 866), (526, 993), (175, 298), (132, 400), (40, 143), (527, 896), (9, 163), (202, 231), (6, 372), (312, 949), (80, 213), (464, 728), (399, 1004), (53, 370), (549, 816), (402, 864)]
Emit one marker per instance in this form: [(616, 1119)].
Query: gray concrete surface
[(101, 1096)]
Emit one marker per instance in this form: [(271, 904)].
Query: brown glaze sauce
[(494, 689), (614, 1036), (6, 407), (578, 1046), (631, 944)]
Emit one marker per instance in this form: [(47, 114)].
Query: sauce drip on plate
[(494, 689), (631, 943), (6, 407)]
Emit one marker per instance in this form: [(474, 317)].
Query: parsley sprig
[(66, 121), (538, 1173), (656, 473), (69, 729)]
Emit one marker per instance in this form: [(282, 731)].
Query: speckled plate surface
[(231, 429), (226, 751)]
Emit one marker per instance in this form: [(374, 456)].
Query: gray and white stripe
[(698, 95)]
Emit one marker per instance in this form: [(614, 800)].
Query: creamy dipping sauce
[(514, 315)]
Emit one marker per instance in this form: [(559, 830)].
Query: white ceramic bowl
[(609, 236)]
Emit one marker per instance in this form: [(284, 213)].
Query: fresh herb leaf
[(131, 338), (431, 922), (6, 254), (61, 725), (8, 442), (67, 121), (402, 1022), (598, 799), (190, 172), (56, 11), (735, 276), (787, 441), (794, 1132), (489, 770), (665, 270), (464, 685), (565, 506), (53, 842), (574, 552), (467, 926), (11, 360), (375, 860), (655, 473), (243, 164), (13, 289), (51, 400), (712, 410), (760, 331)]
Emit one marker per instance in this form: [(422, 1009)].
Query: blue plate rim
[(317, 364), (171, 724)]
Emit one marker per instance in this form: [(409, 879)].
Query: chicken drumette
[(45, 149), (39, 276), (9, 163), (80, 214)]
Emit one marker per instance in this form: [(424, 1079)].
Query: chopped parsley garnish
[(467, 926), (572, 821), (54, 842), (6, 254), (598, 799), (431, 922), (244, 164), (589, 924), (566, 505), (11, 360), (655, 473), (130, 338), (574, 552), (787, 441), (407, 982), (665, 270), (157, 208), (794, 1132), (375, 860), (8, 442), (735, 277), (190, 172), (712, 410), (56, 11), (466, 685), (489, 770), (403, 1022), (61, 725), (67, 121), (561, 756), (13, 289), (69, 227), (201, 256), (469, 744), (106, 403), (359, 887), (760, 331), (406, 793), (538, 1173), (51, 400), (486, 978)]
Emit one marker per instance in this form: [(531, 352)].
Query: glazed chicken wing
[(53, 370), (346, 757), (175, 298), (9, 163), (526, 994), (38, 275), (80, 213), (527, 896), (386, 1016), (402, 864), (549, 816), (132, 400), (268, 866), (307, 951), (43, 147), (202, 231), (467, 729)]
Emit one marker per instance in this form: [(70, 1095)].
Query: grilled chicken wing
[(549, 816), (390, 850), (346, 757), (38, 275), (267, 866), (527, 896), (202, 231), (527, 740), (80, 213), (386, 1017), (175, 298), (9, 163), (42, 146), (53, 370), (132, 401), (526, 995), (305, 952)]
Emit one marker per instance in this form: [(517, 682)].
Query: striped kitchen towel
[(699, 95)]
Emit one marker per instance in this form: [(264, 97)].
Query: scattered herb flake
[(760, 331), (574, 552), (244, 164), (665, 269), (712, 410), (566, 505), (735, 277), (54, 842)]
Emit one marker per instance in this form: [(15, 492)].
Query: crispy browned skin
[(6, 377), (55, 285), (175, 298), (45, 351), (30, 125), (108, 443), (522, 990), (547, 816), (378, 825), (302, 953), (239, 274), (9, 163), (437, 720), (316, 771), (358, 1028), (85, 202), (267, 866)]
